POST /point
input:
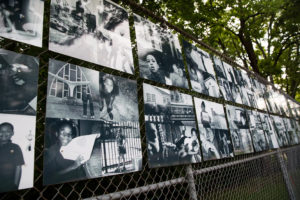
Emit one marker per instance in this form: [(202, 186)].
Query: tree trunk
[(247, 43)]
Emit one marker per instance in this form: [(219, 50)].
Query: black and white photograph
[(17, 140), (294, 109), (85, 149), (159, 54), (246, 88), (277, 104), (201, 71), (259, 94), (96, 31), (239, 129), (22, 21), (269, 130), (256, 129), (18, 81), (227, 81), (283, 105), (77, 92), (297, 125), (290, 127), (214, 135), (271, 100), (94, 114), (280, 130), (172, 136)]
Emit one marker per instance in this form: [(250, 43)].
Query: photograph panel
[(242, 142), (271, 100), (159, 54), (297, 125), (256, 129), (85, 149), (92, 30), (214, 135), (259, 92), (291, 131), (19, 81), (17, 140), (76, 92), (201, 71), (239, 129), (22, 21), (228, 82), (280, 130), (172, 137), (269, 130), (229, 73)]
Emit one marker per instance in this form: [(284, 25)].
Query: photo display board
[(227, 81), (170, 127), (239, 129), (246, 89), (291, 131), (271, 99), (259, 90), (256, 129), (95, 30), (269, 130), (214, 135), (280, 130), (294, 109), (283, 105), (22, 21), (297, 125), (92, 125), (201, 71), (18, 81), (159, 54)]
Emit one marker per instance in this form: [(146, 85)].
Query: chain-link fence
[(267, 175)]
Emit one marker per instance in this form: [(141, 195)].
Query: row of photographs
[(92, 125), (101, 28)]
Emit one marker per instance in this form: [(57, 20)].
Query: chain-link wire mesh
[(251, 176)]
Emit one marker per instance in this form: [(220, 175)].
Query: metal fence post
[(191, 182), (285, 175)]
